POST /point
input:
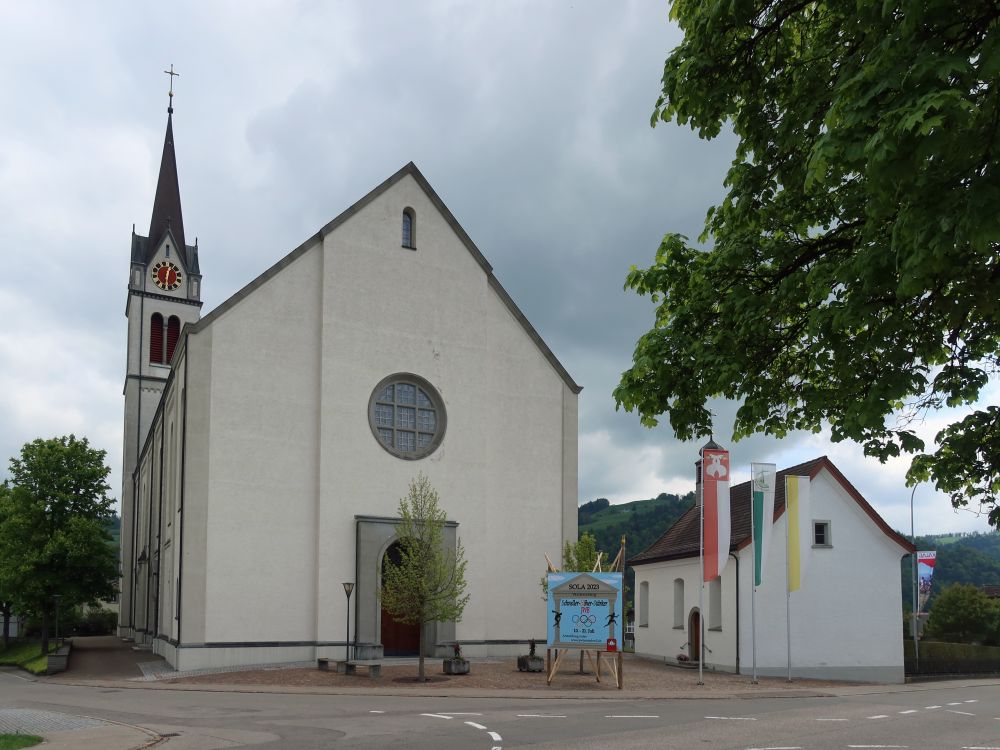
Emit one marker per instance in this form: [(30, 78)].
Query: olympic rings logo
[(584, 619)]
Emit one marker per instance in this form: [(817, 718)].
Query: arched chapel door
[(694, 635), (398, 639)]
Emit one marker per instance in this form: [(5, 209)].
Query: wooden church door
[(398, 638)]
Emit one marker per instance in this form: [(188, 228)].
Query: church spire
[(167, 202)]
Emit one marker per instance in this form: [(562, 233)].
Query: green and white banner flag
[(762, 487)]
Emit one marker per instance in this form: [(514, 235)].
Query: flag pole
[(701, 583), (788, 594), (753, 579)]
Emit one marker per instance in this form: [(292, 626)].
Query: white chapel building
[(846, 619), (267, 443)]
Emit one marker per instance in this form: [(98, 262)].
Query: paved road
[(952, 716)]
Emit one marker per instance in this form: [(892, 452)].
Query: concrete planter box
[(530, 664), (456, 666), (368, 652)]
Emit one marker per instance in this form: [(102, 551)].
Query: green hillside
[(641, 521), (961, 558)]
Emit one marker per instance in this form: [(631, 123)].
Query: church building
[(267, 444)]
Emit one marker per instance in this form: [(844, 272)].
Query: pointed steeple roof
[(167, 203)]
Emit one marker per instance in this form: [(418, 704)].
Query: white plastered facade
[(269, 461), (845, 619)]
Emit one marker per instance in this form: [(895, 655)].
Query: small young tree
[(54, 513), (428, 584), (583, 555)]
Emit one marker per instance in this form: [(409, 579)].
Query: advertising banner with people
[(925, 577)]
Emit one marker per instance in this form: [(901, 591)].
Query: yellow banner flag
[(798, 517)]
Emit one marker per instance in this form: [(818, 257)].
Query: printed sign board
[(585, 610)]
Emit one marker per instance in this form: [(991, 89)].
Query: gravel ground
[(640, 675)]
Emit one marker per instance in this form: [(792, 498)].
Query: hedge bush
[(937, 658)]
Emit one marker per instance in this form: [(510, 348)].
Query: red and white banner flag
[(715, 506)]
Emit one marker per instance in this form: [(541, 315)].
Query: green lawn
[(15, 741), (27, 655)]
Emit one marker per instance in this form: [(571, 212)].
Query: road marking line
[(963, 713), (496, 747), (977, 747), (436, 716), (795, 747), (458, 713), (376, 712), (911, 711), (474, 724), (878, 745), (732, 718), (832, 719), (930, 707), (496, 737), (631, 716), (541, 716), (956, 703), (879, 716), (974, 700)]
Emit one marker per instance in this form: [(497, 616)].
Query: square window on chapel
[(821, 534)]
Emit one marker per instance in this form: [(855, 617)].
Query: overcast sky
[(531, 121)]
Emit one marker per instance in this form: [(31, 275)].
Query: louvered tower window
[(156, 339), (173, 333)]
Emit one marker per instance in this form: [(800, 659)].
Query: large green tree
[(428, 583), (54, 514), (962, 613), (852, 274)]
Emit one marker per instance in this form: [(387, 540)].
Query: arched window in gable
[(409, 228), (173, 333), (156, 339)]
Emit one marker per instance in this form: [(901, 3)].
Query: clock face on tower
[(166, 275)]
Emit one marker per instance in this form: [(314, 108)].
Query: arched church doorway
[(694, 635), (398, 638)]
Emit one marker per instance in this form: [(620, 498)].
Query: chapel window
[(409, 229), (679, 603), (715, 604), (644, 604), (406, 415), (821, 534), (156, 339)]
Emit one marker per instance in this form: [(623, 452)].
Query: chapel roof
[(683, 539)]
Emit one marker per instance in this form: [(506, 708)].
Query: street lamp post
[(348, 588), (914, 625)]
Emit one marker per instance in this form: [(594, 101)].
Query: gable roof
[(409, 170), (683, 539)]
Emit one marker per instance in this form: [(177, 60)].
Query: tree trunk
[(45, 629), (6, 624), (421, 676)]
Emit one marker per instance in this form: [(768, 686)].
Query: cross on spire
[(172, 74)]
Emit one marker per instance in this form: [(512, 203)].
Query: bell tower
[(164, 294)]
